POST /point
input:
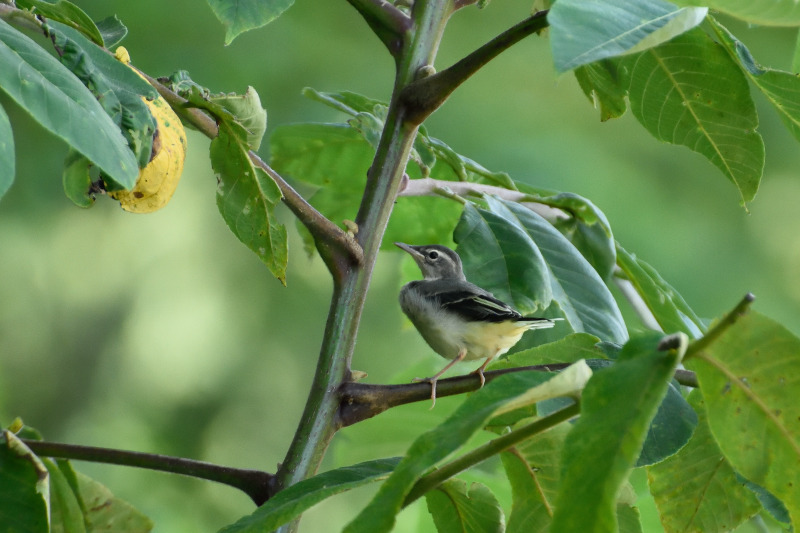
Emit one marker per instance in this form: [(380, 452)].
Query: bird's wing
[(477, 305)]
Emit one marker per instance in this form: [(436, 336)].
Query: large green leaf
[(58, 101), (6, 153), (246, 198), (689, 91), (291, 502), (578, 290), (617, 407), (66, 13), (24, 490), (118, 88), (583, 31), (750, 378), (501, 395), (671, 428), (458, 509), (767, 12), (668, 307), (781, 88), (697, 490), (239, 16), (503, 259)]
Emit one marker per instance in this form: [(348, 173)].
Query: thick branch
[(256, 484), (360, 401), (425, 95), (326, 234), (386, 21), (490, 449)]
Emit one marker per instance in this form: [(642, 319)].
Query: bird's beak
[(411, 250)]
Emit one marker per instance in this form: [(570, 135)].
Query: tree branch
[(385, 20), (491, 448), (254, 483), (360, 401), (425, 95), (637, 302), (329, 237)]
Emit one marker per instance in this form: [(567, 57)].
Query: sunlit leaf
[(58, 101), (247, 111), (689, 91), (767, 12), (617, 407), (246, 198), (105, 512), (750, 383), (239, 16), (583, 31), (697, 490), (457, 509)]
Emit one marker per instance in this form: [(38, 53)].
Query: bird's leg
[(482, 368), (432, 380)]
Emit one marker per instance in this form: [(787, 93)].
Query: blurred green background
[(164, 334)]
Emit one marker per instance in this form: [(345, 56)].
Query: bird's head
[(435, 261)]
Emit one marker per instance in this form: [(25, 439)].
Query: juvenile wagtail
[(458, 319)]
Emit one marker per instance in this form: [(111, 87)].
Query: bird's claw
[(432, 381)]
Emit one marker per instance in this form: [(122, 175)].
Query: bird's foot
[(432, 381), (480, 375)]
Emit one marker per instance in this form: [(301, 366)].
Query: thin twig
[(637, 303), (720, 327), (491, 448), (256, 484), (385, 20), (425, 95)]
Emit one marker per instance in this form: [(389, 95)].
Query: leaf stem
[(720, 327), (428, 94), (255, 483), (491, 448)]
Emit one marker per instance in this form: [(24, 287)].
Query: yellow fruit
[(158, 180)]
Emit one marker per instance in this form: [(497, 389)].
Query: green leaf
[(58, 101), (767, 12), (569, 349), (66, 13), (628, 518), (291, 502), (239, 16), (671, 428), (247, 111), (118, 88), (749, 379), (533, 469), (246, 198), (112, 30), (6, 153), (502, 258), (768, 501), (584, 31), (578, 290), (690, 92), (24, 492), (66, 514), (105, 512), (77, 181), (431, 447), (617, 407), (697, 490), (781, 88), (668, 307), (600, 82), (458, 510)]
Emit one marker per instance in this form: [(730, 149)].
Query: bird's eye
[(433, 254)]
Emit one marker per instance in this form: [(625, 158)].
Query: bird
[(459, 320)]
